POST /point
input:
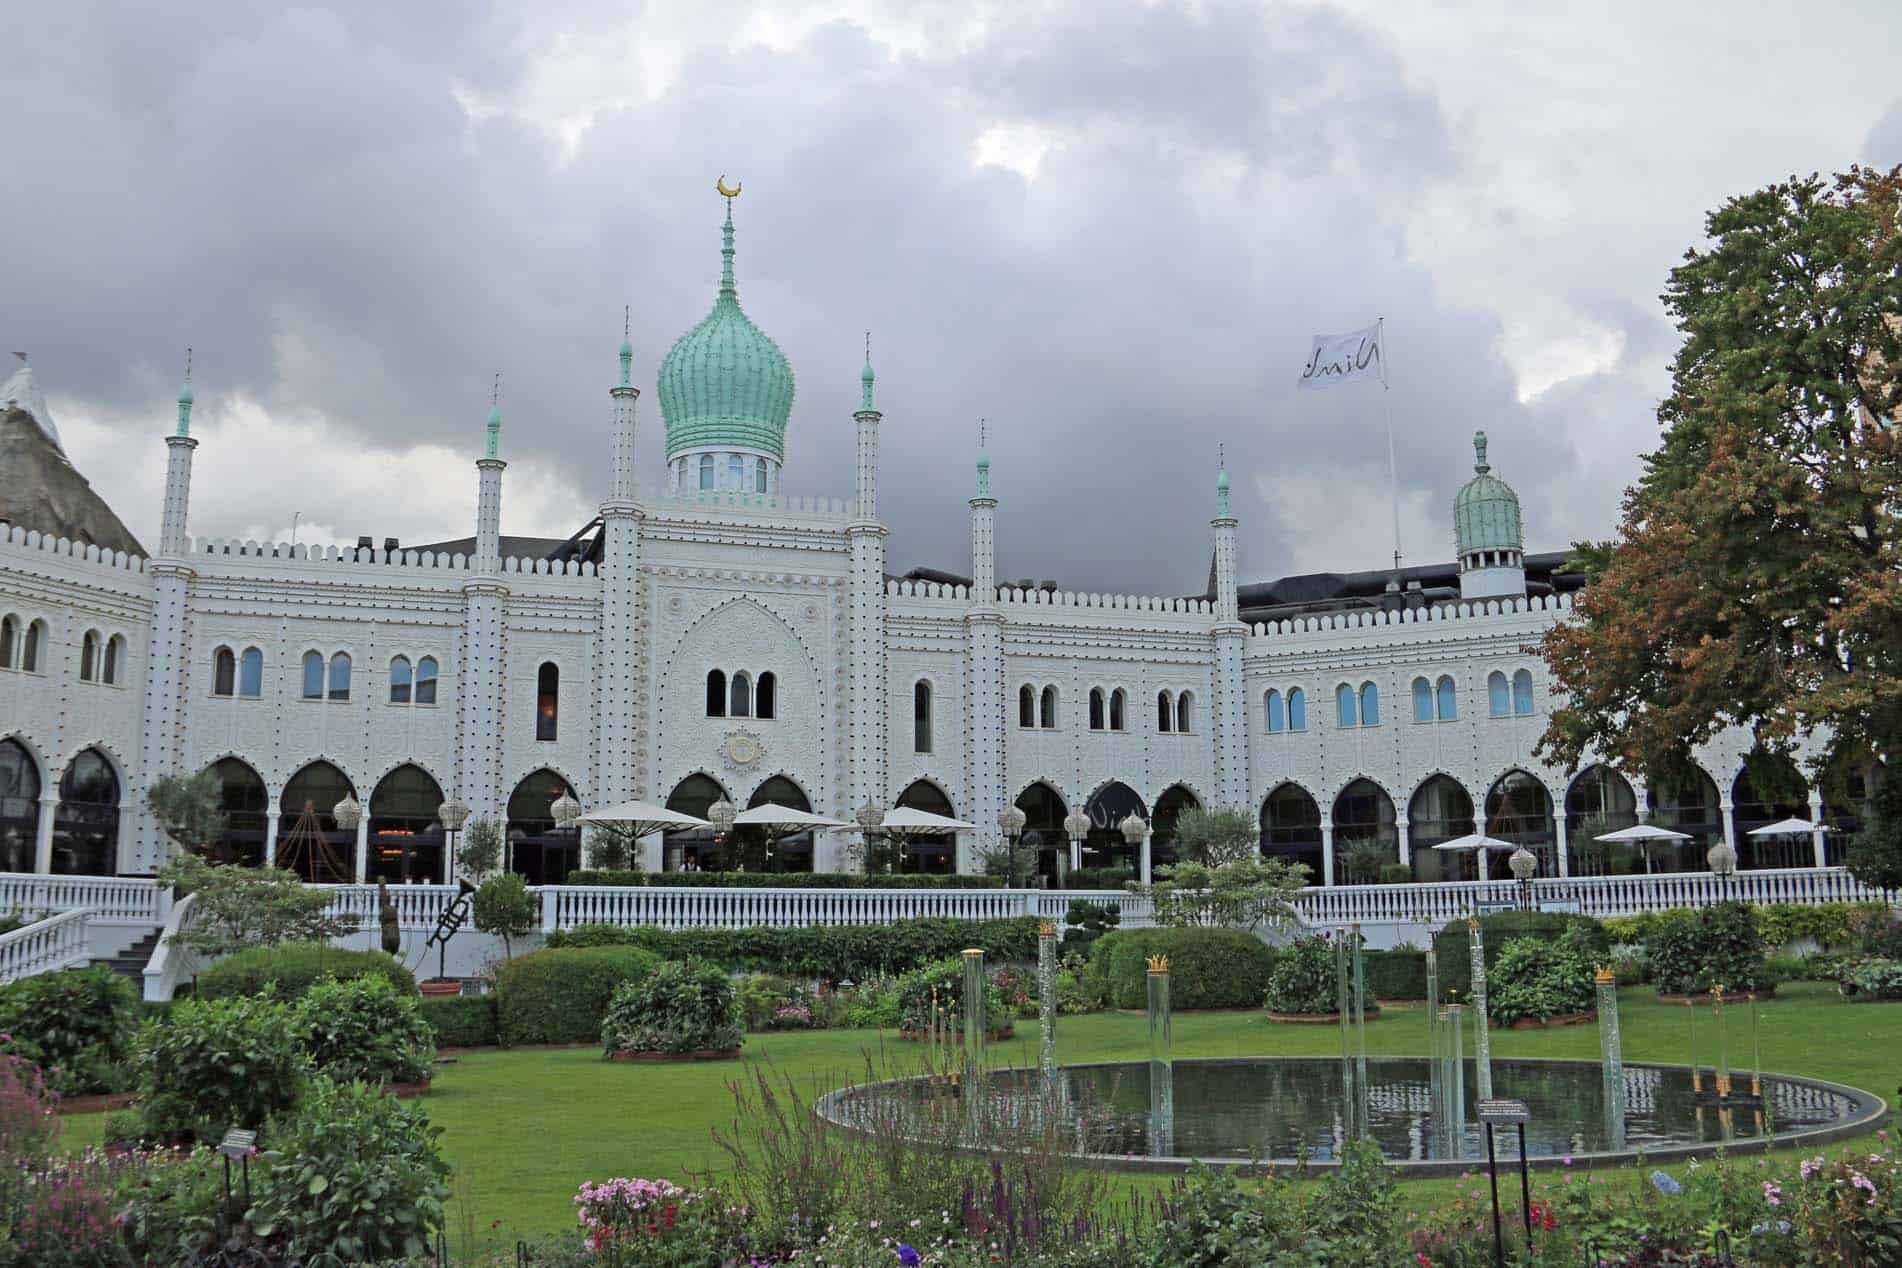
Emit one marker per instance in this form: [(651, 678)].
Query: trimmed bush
[(939, 989), (76, 1025), (461, 1021), (1305, 980), (778, 880), (1208, 968), (218, 1064), (296, 967), (682, 1006), (1454, 943), (1539, 978), (1692, 951), (831, 952), (1399, 974), (560, 996), (364, 1030), (1871, 979)]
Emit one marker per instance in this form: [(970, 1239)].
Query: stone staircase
[(131, 962)]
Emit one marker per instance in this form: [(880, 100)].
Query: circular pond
[(1283, 1110)]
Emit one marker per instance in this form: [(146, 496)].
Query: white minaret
[(1230, 635), (167, 649), (480, 702), (621, 750), (984, 621), (868, 695)]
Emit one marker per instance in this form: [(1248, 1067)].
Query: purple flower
[(907, 1256), (1665, 1184)]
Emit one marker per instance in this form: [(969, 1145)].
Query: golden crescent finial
[(724, 191)]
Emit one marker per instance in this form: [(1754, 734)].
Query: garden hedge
[(295, 967), (560, 996), (1455, 946), (1208, 968), (462, 1021), (1832, 926), (76, 1024), (779, 880), (833, 952)]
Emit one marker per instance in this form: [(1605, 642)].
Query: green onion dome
[(725, 384), (1486, 511)]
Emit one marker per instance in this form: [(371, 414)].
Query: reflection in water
[(1290, 1109)]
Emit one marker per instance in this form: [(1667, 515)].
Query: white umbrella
[(1475, 841), (1787, 828), (644, 817), (904, 821), (1644, 834), (786, 819)]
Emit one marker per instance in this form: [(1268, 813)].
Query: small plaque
[(238, 1143), (1504, 1112)]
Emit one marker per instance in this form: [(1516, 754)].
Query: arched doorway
[(1519, 810), (936, 854), (1599, 800), (772, 849), (542, 853), (1365, 835), (1685, 800), (1169, 807), (1767, 789), (247, 808), (1043, 837), (694, 850), (324, 855), (19, 806), (406, 841), (1440, 810), (1291, 828), (86, 825), (1113, 803)]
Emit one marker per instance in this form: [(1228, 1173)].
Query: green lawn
[(524, 1127)]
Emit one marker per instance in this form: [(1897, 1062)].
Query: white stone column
[(271, 818), (1327, 849), (1558, 828), (1148, 877), (43, 834), (1725, 807), (1230, 713), (1816, 831), (1401, 834), (363, 848)]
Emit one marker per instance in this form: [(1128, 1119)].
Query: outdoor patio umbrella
[(786, 820), (644, 818), (1475, 841), (1786, 828), (1644, 834), (906, 822)]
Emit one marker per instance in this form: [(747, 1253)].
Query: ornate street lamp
[(1136, 832), (1076, 826), (1525, 866), (1011, 819), (720, 815), (348, 813), (565, 810), (452, 814), (871, 821), (1722, 858)]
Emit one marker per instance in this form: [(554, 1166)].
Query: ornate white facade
[(878, 684)]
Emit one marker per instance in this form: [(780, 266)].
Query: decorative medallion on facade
[(742, 750)]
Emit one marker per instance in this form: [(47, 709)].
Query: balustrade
[(56, 942), (113, 900)]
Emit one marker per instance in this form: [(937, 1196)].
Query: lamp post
[(871, 818), (564, 810), (1525, 866), (1076, 826), (1136, 833), (1722, 858), (1011, 820), (452, 814), (349, 814), (720, 815)]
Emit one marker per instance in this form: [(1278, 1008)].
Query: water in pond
[(1287, 1109)]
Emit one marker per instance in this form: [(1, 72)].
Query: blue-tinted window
[(1345, 713), (1522, 691), (1297, 709), (1369, 704), (1448, 700), (1498, 695), (1422, 700), (1273, 705)]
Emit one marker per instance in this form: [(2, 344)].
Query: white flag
[(1344, 358)]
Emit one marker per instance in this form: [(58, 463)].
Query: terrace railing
[(113, 900), (57, 942)]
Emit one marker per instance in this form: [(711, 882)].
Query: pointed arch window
[(313, 675), (9, 634), (224, 672), (426, 680), (547, 700), (1422, 700), (759, 475), (115, 658), (1346, 712), (1297, 709), (716, 693), (1096, 708), (1118, 708), (35, 640), (921, 717), (1165, 713), (1047, 709), (706, 471), (740, 697), (1447, 700), (766, 696), (1026, 706), (1185, 711), (89, 656), (251, 673), (340, 676), (1522, 691), (399, 680), (1274, 711), (1369, 704), (1498, 695)]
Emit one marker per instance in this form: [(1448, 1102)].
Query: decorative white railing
[(417, 906), (171, 963), (113, 900), (57, 942), (1599, 896)]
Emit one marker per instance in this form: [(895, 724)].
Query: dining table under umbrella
[(905, 824), (1645, 834)]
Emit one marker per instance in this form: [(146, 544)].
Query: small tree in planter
[(683, 1007), (191, 811), (613, 847), (238, 907), (503, 907), (481, 850)]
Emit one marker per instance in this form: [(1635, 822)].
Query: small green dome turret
[(1486, 511), (185, 398), (726, 384)]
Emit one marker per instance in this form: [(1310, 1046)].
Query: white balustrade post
[(363, 849), (1724, 807), (1558, 825), (1816, 832), (43, 835), (1327, 850)]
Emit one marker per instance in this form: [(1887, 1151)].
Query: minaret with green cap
[(984, 698), (1487, 534), (489, 468), (1229, 713), (178, 471), (621, 759), (866, 688)]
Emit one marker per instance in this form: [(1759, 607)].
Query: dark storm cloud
[(357, 218)]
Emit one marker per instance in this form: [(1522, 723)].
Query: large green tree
[(1754, 582)]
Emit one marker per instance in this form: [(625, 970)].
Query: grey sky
[(1110, 229)]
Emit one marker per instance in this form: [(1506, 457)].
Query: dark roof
[(525, 547), (1313, 592)]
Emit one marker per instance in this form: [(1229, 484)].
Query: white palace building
[(716, 639)]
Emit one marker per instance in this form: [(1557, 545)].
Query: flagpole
[(1393, 467)]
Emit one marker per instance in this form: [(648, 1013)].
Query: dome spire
[(983, 463), (727, 290), (627, 346), (495, 417), (1480, 464), (1221, 481), (865, 376), (185, 399)]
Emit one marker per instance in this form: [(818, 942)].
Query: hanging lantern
[(1722, 859), (720, 815), (348, 813), (1134, 829), (1076, 825), (1524, 864), (1012, 820), (453, 814), (565, 810), (870, 816)]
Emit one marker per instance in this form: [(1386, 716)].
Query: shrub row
[(1829, 925), (833, 952), (1208, 968), (462, 1021), (296, 967), (76, 1025), (779, 880), (560, 996), (1454, 944)]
